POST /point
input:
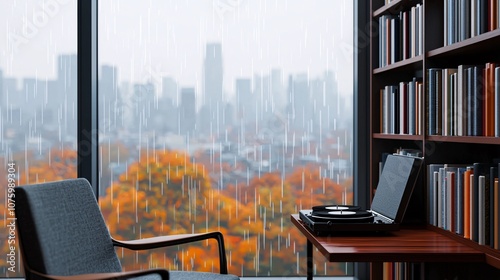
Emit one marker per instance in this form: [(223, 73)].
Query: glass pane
[(37, 105), (224, 115)]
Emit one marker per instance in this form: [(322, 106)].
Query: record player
[(394, 189)]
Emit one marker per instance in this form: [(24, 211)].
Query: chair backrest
[(62, 231)]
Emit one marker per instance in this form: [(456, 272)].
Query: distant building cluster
[(268, 122)]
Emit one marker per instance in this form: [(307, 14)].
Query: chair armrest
[(102, 276), (176, 239)]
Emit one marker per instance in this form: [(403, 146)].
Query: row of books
[(400, 107), (400, 36), (400, 271), (465, 199), (465, 19), (464, 101)]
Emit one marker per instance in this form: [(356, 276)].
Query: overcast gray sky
[(168, 37)]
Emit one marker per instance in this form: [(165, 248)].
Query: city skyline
[(142, 40)]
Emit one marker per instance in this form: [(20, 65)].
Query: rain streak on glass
[(224, 115), (38, 82)]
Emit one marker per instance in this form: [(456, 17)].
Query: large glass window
[(38, 78), (224, 115)]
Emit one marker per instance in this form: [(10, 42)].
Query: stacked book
[(464, 101), (465, 199), (400, 36), (400, 271), (400, 107), (465, 19)]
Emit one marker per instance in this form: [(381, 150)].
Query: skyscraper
[(212, 84), (109, 99), (187, 111), (212, 119), (245, 107)]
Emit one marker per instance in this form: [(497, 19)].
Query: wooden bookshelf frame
[(476, 50)]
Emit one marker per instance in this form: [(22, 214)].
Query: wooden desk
[(406, 245)]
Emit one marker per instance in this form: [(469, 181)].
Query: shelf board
[(492, 256), (414, 63), (488, 40), (397, 136), (394, 7), (382, 10), (465, 139)]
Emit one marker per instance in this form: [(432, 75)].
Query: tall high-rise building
[(213, 75), (66, 94), (245, 106), (170, 90), (187, 111), (277, 90), (109, 99), (212, 119), (300, 110)]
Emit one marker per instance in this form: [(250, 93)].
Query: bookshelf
[(437, 52)]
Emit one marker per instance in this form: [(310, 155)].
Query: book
[(489, 100), (432, 191), (489, 202), (438, 103), (481, 210), (492, 15), (467, 202), (496, 228), (464, 19), (497, 102), (477, 101), (459, 205), (481, 16), (478, 203), (461, 101)]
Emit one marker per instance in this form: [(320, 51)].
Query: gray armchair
[(63, 236)]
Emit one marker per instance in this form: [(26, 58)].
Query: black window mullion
[(87, 93)]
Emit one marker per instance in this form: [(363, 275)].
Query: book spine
[(497, 102), (460, 111), (439, 100), (467, 204), (459, 206), (419, 108), (477, 104), (470, 102), (464, 19), (445, 23), (431, 101), (492, 17), (481, 210), (489, 100), (412, 109), (496, 209)]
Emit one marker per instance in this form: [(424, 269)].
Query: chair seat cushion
[(189, 275)]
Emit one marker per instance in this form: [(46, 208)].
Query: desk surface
[(406, 245)]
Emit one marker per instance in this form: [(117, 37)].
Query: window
[(38, 78), (224, 115)]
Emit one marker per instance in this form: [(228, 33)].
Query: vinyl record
[(335, 207), (342, 216)]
